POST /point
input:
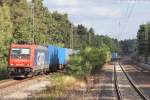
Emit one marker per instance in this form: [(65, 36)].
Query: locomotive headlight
[(11, 64), (27, 64)]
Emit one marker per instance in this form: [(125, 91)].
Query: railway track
[(7, 83), (132, 85), (11, 82), (10, 86), (143, 70), (119, 96)]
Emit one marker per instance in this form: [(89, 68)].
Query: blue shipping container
[(62, 56), (52, 55), (114, 56), (66, 55), (57, 55)]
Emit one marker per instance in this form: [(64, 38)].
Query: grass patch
[(61, 84)]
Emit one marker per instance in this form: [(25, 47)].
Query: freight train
[(28, 59), (114, 56)]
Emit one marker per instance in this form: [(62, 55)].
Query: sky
[(116, 18)]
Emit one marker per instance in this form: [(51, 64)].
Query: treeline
[(32, 22), (128, 46), (143, 40), (140, 46)]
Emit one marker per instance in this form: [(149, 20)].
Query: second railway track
[(132, 93)]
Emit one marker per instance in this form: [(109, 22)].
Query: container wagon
[(27, 60), (114, 56), (57, 57)]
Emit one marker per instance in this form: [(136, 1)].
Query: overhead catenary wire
[(128, 17), (120, 21), (128, 13)]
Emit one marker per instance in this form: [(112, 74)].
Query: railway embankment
[(97, 85)]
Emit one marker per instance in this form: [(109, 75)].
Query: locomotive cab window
[(20, 53)]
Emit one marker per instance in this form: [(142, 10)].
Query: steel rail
[(119, 96), (16, 82), (133, 84)]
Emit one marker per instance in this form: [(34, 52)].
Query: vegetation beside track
[(79, 70), (3, 72), (81, 64), (61, 85)]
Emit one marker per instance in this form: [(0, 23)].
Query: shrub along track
[(99, 86), (130, 91)]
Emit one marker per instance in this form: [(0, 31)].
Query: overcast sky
[(105, 15)]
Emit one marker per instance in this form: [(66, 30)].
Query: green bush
[(75, 65), (82, 63), (3, 72)]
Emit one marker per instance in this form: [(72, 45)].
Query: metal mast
[(33, 35), (71, 37)]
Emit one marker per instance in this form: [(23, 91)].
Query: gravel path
[(107, 91)]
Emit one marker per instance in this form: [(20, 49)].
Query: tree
[(82, 36), (5, 29), (62, 29), (142, 40), (128, 46), (20, 15), (91, 36), (40, 24)]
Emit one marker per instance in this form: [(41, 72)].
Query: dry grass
[(60, 84), (60, 88)]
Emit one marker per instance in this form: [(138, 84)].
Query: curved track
[(119, 96), (132, 84), (7, 83), (10, 82)]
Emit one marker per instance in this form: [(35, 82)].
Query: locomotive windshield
[(20, 53)]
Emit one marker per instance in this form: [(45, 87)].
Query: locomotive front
[(20, 60)]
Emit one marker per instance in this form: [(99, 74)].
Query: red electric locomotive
[(26, 60)]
